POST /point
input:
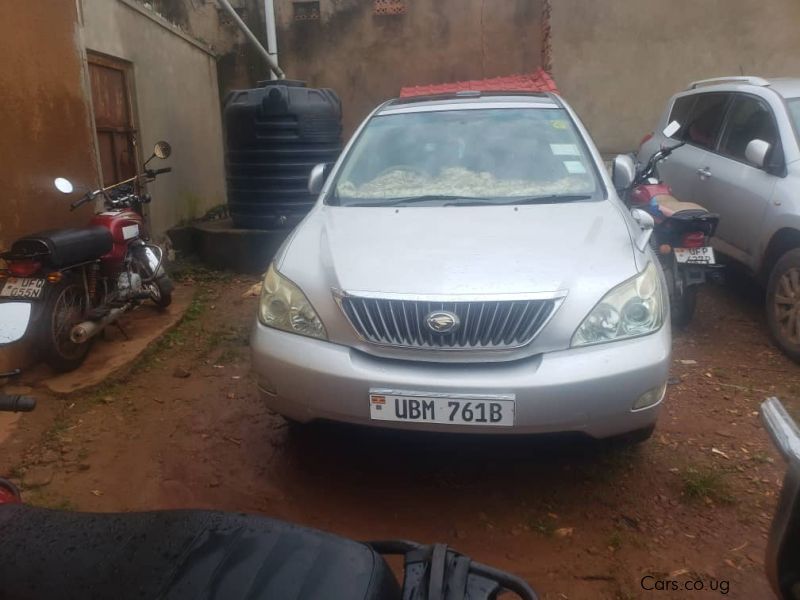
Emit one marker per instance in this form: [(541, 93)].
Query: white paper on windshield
[(565, 150), (574, 166)]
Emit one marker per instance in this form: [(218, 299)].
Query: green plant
[(706, 483)]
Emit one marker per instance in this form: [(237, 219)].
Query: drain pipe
[(273, 64), (272, 38)]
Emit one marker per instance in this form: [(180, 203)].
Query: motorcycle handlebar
[(16, 403), (80, 202), (154, 172)]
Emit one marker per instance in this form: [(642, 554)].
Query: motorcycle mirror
[(63, 185), (672, 129), (162, 149)]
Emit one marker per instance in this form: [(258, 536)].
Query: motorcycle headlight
[(284, 306), (632, 309)]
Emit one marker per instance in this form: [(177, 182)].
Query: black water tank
[(275, 134)]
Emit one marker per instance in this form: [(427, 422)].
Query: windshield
[(794, 112), (487, 155)]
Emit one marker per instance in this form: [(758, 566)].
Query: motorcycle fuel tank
[(125, 226)]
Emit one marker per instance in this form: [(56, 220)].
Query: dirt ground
[(185, 428)]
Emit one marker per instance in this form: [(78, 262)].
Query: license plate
[(22, 287), (457, 409), (696, 256)]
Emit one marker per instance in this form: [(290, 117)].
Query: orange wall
[(45, 124)]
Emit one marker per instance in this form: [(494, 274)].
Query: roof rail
[(759, 81)]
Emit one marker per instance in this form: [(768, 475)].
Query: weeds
[(615, 540), (546, 527), (706, 484)]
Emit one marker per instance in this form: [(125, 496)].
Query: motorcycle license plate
[(22, 287), (696, 256), (495, 411)]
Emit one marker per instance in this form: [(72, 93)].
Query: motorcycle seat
[(182, 554), (670, 205), (63, 247)]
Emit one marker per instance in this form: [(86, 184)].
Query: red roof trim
[(540, 81)]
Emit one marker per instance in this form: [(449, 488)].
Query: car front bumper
[(590, 390)]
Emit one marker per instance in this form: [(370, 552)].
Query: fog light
[(650, 397)]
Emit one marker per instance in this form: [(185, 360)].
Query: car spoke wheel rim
[(67, 313), (787, 305)]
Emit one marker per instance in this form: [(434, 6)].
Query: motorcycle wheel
[(783, 304), (682, 300), (161, 291), (160, 288), (683, 307), (64, 309)]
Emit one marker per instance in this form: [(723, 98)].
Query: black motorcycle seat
[(64, 247), (176, 555)]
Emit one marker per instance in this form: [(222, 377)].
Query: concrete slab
[(222, 246), (113, 353)]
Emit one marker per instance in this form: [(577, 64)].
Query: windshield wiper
[(552, 199), (505, 201), (414, 200)]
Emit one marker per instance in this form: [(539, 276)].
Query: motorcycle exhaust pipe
[(83, 332)]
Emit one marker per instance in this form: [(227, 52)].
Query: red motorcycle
[(681, 234), (65, 286)]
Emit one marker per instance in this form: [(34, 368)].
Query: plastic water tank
[(275, 134)]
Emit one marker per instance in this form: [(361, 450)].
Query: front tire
[(161, 291), (65, 308), (783, 303)]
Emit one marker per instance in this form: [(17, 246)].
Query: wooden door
[(114, 121)]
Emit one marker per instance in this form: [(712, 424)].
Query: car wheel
[(783, 303)]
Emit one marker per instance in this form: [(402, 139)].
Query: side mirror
[(672, 129), (646, 224), (63, 185), (623, 172), (162, 150), (756, 153), (316, 180)]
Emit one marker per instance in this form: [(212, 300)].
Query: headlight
[(632, 309), (284, 306)]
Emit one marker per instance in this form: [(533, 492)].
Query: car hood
[(464, 250)]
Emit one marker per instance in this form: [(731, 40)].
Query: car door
[(701, 116), (732, 187)]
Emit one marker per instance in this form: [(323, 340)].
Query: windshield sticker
[(558, 124), (565, 150), (574, 166)]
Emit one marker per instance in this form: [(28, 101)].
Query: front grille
[(483, 325)]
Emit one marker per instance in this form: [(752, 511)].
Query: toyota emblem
[(442, 321)]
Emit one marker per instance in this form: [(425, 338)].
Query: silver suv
[(468, 267), (742, 161)]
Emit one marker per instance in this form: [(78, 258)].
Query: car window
[(794, 113), (680, 113), (749, 119), (487, 153), (704, 121)]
